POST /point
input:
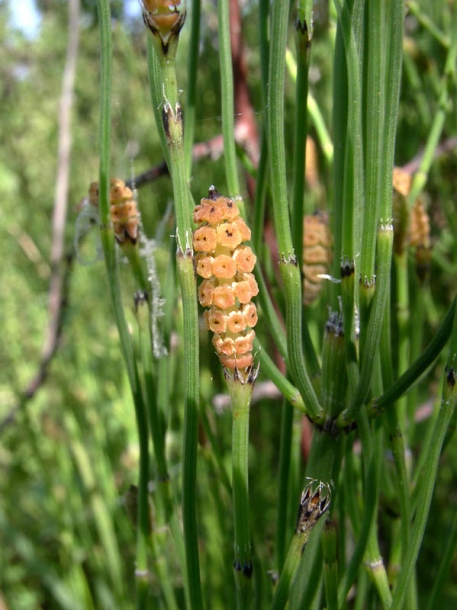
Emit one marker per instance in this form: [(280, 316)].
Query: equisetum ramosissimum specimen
[(317, 254), (226, 265), (123, 208)]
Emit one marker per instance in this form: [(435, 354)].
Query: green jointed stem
[(375, 101), (396, 437), (416, 370), (271, 372), (279, 23), (285, 448), (384, 254), (268, 310), (403, 317), (329, 546), (189, 119), (314, 502), (288, 572), (348, 178), (228, 107), (415, 9), (172, 121), (288, 266), (315, 113), (352, 175), (259, 199), (421, 176), (427, 482), (240, 394), (155, 421), (303, 43), (393, 73), (442, 573), (324, 463), (107, 237), (370, 497)]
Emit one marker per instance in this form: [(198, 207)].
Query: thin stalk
[(275, 327), (308, 580), (384, 254), (155, 422), (374, 110), (373, 558), (288, 262), (352, 176), (288, 572), (132, 254), (192, 73), (421, 176), (287, 418), (156, 91), (324, 463), (262, 170), (444, 567), (107, 238), (340, 118), (394, 35), (427, 23), (377, 570), (157, 431), (330, 566), (403, 317), (348, 175), (314, 502), (172, 122), (315, 114), (427, 482), (416, 345), (240, 394), (260, 195), (370, 497), (396, 434), (417, 369), (303, 36), (271, 372), (228, 104)]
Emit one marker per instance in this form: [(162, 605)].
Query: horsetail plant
[(164, 19), (227, 289), (349, 382)]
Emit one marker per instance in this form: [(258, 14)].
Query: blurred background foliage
[(68, 456)]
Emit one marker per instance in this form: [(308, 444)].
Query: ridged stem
[(324, 463), (240, 394), (427, 481), (442, 572), (107, 238), (315, 500), (416, 370), (374, 53), (172, 122), (303, 36), (329, 546), (228, 104), (192, 73), (421, 176), (371, 482), (288, 263), (373, 333), (287, 418)]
